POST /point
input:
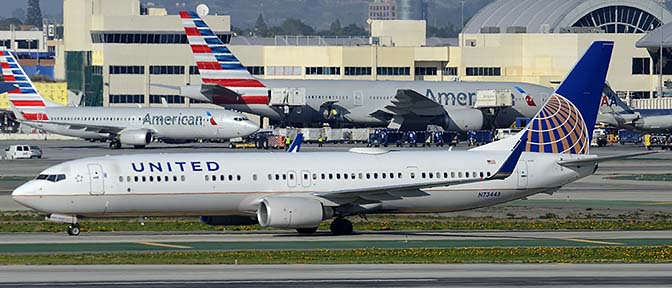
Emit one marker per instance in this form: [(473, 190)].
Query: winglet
[(296, 144), (510, 164)]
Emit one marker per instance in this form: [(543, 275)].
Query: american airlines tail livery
[(614, 112), (397, 104), (300, 190), (130, 126)]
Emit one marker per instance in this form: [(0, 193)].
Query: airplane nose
[(19, 194), (250, 126)]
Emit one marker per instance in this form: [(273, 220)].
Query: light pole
[(660, 50)]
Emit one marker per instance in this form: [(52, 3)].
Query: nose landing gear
[(73, 229)]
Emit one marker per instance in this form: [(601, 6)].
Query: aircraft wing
[(409, 101), (598, 159), (391, 192)]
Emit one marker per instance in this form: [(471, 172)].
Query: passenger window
[(382, 175), (338, 175), (399, 175), (121, 178), (174, 178), (331, 176), (254, 177), (488, 174), (182, 178), (412, 175), (158, 178), (368, 175), (214, 177), (323, 176), (284, 176), (277, 176), (360, 175), (230, 177), (270, 177), (345, 175), (166, 179), (353, 176), (128, 178), (466, 174), (135, 178), (314, 176), (151, 178), (144, 179), (391, 175), (481, 174), (452, 174), (238, 177), (424, 175), (291, 177), (431, 175)]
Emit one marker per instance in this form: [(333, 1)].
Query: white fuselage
[(163, 123), (233, 184)]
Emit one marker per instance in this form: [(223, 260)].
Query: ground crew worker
[(647, 141), (287, 142), (320, 140)]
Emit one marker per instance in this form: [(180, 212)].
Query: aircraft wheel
[(114, 145), (73, 230), (306, 231), (341, 226)]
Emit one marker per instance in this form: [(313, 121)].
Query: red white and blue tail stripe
[(24, 97), (218, 66)]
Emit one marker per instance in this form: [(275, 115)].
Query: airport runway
[(347, 275), (288, 240)]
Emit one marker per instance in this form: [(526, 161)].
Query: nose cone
[(23, 193), (249, 127)]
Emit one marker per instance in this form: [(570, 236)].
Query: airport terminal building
[(115, 55)]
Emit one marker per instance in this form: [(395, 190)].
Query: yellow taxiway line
[(592, 241), (164, 245)]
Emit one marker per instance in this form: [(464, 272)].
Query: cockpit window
[(51, 177)]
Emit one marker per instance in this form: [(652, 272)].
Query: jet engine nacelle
[(135, 137), (233, 220), (292, 212), (463, 119)]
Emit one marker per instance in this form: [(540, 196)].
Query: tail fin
[(219, 67), (612, 103), (566, 121), (25, 98), (296, 144)]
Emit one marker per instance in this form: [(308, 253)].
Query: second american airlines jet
[(398, 104), (130, 126), (296, 190)]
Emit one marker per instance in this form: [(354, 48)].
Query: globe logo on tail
[(558, 128)]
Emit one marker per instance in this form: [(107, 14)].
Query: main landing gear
[(341, 226), (115, 144), (73, 229)]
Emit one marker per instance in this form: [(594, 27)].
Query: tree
[(354, 30), (5, 23), (34, 13), (335, 27), (19, 13), (260, 27), (293, 26)]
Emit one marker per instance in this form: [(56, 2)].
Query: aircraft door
[(291, 179), (96, 181), (358, 97), (305, 178), (521, 169)]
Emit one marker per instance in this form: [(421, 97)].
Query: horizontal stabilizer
[(592, 160)]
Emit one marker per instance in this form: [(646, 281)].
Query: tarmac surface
[(110, 242), (364, 275)]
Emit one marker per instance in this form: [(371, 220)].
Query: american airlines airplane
[(615, 113), (130, 126), (298, 191), (399, 104)]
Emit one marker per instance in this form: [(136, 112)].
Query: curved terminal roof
[(557, 16), (654, 38)]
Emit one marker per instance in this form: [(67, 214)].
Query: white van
[(18, 152)]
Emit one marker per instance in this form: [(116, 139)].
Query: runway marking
[(592, 241), (659, 203), (165, 245)]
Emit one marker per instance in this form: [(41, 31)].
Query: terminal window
[(256, 70), (193, 70), (170, 99), (166, 70), (126, 98), (425, 70), (356, 71), (6, 43), (283, 70), (323, 70), (641, 66), (484, 71), (393, 71), (452, 71), (127, 69), (146, 38)]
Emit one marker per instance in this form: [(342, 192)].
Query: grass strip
[(641, 254)]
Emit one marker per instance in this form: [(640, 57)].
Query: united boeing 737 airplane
[(131, 126), (397, 104), (298, 191)]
